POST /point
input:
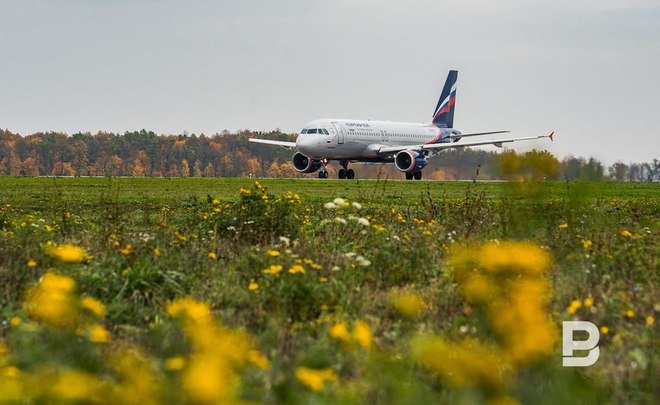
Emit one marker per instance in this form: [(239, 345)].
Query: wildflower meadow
[(220, 291)]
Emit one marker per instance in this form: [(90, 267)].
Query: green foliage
[(152, 241)]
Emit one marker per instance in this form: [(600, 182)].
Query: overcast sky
[(588, 69)]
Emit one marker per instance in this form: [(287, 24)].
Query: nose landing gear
[(323, 173)]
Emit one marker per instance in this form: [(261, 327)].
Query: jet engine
[(410, 161), (303, 164)]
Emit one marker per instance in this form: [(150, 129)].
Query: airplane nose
[(305, 144)]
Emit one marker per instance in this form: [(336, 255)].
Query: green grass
[(603, 240), (33, 190)]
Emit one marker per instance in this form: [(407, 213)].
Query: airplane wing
[(284, 144), (442, 146)]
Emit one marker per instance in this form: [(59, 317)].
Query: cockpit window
[(325, 131), (304, 131), (311, 131)]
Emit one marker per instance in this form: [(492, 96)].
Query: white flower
[(363, 221), (335, 268), (352, 217), (357, 205), (362, 261), (231, 228), (340, 220), (330, 205), (350, 254), (339, 201), (285, 240)]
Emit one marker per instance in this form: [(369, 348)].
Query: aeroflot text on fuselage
[(407, 145)]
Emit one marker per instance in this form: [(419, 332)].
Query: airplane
[(407, 145)]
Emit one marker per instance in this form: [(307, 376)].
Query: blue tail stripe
[(443, 115)]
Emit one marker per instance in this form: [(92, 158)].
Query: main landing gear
[(345, 172), (415, 175)]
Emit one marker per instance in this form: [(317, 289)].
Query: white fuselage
[(360, 140)]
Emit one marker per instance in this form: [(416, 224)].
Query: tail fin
[(443, 116)]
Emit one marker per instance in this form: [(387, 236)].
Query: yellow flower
[(630, 313), (650, 320), (323, 280), (255, 357), (98, 334), (213, 256), (31, 263), (93, 305), (10, 372), (156, 251), (215, 202), (68, 253), (127, 250), (362, 334), (175, 363), (407, 304), (296, 268), (463, 364), (563, 226), (273, 270), (245, 192), (625, 233), (586, 243), (575, 305), (588, 302), (604, 330), (51, 300), (253, 286), (273, 253), (339, 332), (315, 379), (15, 321), (190, 309)]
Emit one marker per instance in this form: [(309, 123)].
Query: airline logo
[(447, 103)]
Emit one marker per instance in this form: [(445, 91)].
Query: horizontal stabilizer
[(478, 134)]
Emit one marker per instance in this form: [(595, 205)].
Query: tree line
[(146, 154)]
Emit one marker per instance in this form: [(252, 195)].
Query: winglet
[(551, 136)]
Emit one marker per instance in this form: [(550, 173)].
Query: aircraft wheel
[(323, 174), (418, 175), (342, 173), (409, 176), (350, 174)]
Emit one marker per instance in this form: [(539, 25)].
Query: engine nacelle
[(303, 164), (410, 161)]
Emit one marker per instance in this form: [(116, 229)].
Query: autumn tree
[(209, 170), (30, 167)]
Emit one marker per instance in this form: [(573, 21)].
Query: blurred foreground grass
[(223, 290)]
